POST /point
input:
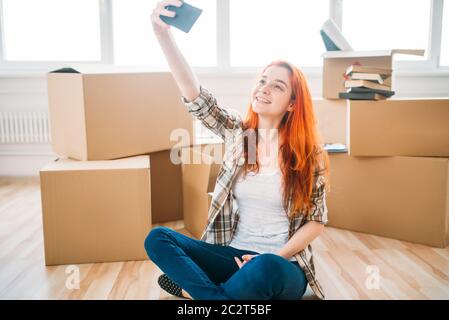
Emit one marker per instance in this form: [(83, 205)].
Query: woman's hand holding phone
[(159, 26)]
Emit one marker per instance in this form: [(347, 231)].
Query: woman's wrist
[(161, 34), (283, 255)]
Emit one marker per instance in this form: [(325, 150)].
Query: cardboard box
[(335, 64), (407, 127), (166, 192), (405, 198), (95, 211), (198, 179), (331, 116), (99, 113)]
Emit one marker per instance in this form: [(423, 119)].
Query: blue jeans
[(209, 272)]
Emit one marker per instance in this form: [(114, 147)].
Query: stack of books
[(367, 83)]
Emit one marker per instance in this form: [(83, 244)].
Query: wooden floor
[(346, 262)]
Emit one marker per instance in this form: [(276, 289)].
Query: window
[(135, 44), (263, 31), (51, 30), (385, 24), (260, 31), (444, 57)]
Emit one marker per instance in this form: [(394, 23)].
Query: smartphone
[(185, 18)]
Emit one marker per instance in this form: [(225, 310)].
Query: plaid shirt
[(223, 213)]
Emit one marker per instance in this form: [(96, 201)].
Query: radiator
[(25, 127)]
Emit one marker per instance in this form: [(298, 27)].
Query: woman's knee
[(266, 274), (153, 238), (270, 259), (268, 263)]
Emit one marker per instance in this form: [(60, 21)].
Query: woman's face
[(271, 97)]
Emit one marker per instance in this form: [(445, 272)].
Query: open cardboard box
[(335, 64), (102, 112)]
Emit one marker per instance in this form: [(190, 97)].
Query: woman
[(269, 198)]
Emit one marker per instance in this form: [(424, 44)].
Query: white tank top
[(263, 224)]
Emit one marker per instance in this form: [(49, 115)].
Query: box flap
[(102, 68), (66, 164), (64, 70), (414, 52), (371, 53)]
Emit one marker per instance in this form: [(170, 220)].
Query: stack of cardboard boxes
[(114, 177), (394, 181)]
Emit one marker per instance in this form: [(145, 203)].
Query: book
[(361, 96), (366, 69), (366, 84), (387, 93), (185, 18), (328, 43), (335, 147), (368, 76), (334, 38)]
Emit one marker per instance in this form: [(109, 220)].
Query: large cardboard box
[(331, 116), (405, 198), (198, 181), (166, 191), (99, 113), (335, 64), (406, 127), (95, 211)]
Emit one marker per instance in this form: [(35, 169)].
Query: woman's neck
[(268, 130), (268, 123)]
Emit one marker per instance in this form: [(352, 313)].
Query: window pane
[(135, 44), (444, 58), (266, 30), (386, 24), (51, 30)]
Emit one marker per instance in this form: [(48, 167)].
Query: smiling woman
[(265, 209)]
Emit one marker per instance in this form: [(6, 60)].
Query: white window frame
[(223, 44), (433, 44), (106, 51), (436, 35)]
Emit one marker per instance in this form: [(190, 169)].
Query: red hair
[(301, 156)]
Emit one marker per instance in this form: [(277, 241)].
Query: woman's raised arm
[(200, 102), (180, 69)]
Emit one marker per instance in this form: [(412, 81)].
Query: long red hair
[(301, 155)]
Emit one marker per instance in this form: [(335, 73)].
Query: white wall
[(28, 92)]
